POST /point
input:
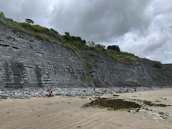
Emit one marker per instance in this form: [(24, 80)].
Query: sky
[(141, 27)]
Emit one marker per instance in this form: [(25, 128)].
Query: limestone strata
[(26, 61)]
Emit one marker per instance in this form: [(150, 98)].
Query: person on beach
[(126, 89), (135, 89), (49, 93)]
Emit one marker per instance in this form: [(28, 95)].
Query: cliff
[(40, 58)]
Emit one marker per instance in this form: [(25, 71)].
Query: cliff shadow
[(14, 75)]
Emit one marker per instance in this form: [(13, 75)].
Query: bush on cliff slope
[(123, 57)]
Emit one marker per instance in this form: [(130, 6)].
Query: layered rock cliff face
[(26, 61), (108, 72)]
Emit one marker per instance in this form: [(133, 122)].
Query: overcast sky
[(141, 27)]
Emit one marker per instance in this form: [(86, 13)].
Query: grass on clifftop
[(37, 31), (168, 66), (42, 32), (123, 57), (36, 28)]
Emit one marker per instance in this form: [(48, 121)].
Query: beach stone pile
[(24, 93), (40, 92)]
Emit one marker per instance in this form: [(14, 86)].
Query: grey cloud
[(142, 27), (19, 10), (10, 8), (156, 45), (160, 50), (98, 20)]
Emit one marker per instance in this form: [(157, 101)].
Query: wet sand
[(67, 113)]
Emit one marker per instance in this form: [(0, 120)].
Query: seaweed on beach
[(149, 103), (113, 104)]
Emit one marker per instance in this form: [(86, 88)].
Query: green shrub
[(35, 28), (114, 47), (169, 66), (2, 14), (157, 64), (42, 37), (54, 32), (69, 46), (74, 41), (30, 21), (100, 48), (12, 24), (123, 57), (89, 78)]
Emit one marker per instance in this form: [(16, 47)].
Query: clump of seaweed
[(149, 103), (113, 104)]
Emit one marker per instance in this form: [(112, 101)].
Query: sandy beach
[(67, 113)]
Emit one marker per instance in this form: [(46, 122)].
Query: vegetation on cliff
[(74, 43)]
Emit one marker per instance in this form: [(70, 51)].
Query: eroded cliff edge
[(28, 61)]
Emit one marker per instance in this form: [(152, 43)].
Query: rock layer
[(27, 61), (30, 62)]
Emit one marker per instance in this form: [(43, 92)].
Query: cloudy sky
[(141, 27)]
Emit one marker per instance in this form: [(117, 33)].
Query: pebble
[(40, 92)]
